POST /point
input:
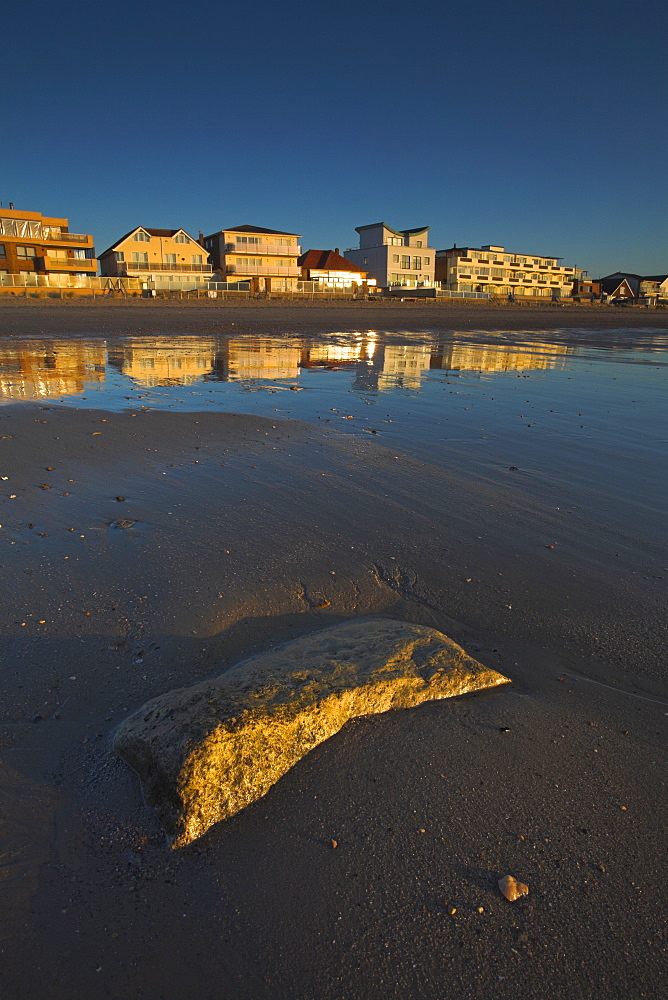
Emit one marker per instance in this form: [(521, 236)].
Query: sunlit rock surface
[(205, 752)]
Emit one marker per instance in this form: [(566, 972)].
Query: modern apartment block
[(161, 257), (393, 256), (494, 270), (36, 244), (268, 257)]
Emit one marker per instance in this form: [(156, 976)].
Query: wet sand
[(69, 317), (243, 525)]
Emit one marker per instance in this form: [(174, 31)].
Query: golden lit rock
[(205, 752), (512, 889)]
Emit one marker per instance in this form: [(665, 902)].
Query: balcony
[(127, 266), (258, 249), (275, 272), (57, 236), (69, 264)]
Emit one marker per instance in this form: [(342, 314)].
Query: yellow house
[(268, 257), (163, 258)]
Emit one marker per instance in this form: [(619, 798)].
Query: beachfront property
[(586, 289), (394, 257), (494, 270), (37, 246), (265, 257), (648, 289), (162, 258), (332, 271)]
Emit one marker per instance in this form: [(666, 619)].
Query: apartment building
[(394, 256), (163, 258), (36, 244), (494, 270), (266, 257)]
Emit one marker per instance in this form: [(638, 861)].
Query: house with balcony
[(266, 257), (162, 258), (330, 270), (394, 257), (38, 246), (496, 271)]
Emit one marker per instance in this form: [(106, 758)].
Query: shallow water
[(572, 411)]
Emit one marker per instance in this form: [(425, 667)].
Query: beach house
[(162, 258), (34, 245), (331, 270), (268, 258), (394, 256)]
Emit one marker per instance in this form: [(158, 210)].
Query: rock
[(512, 889), (205, 752)]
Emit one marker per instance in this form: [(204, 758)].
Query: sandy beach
[(246, 531)]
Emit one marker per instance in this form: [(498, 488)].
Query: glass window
[(141, 237), (418, 243), (3, 252), (417, 263), (26, 252), (395, 258), (170, 258), (139, 257), (119, 255), (405, 262), (366, 260), (196, 258), (426, 261), (181, 238)]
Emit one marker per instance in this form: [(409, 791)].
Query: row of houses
[(270, 260)]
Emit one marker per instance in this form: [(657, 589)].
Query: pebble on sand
[(512, 889)]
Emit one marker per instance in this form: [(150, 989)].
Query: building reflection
[(154, 362), (48, 370), (498, 358), (262, 359)]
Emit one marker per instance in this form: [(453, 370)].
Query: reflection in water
[(30, 370), (492, 358), (47, 370), (153, 361)]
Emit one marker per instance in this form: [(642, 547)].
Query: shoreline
[(77, 317), (246, 532)]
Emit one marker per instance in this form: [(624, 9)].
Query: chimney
[(336, 249)]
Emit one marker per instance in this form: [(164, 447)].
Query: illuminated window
[(181, 238), (141, 237), (170, 258), (196, 258), (26, 252), (405, 262)]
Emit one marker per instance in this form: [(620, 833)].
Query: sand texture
[(203, 753)]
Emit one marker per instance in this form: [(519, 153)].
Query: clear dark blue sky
[(534, 125)]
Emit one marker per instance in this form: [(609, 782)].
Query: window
[(181, 238), (26, 252), (139, 257), (405, 262), (365, 260), (3, 252), (417, 263), (119, 255), (170, 258), (248, 239), (196, 258), (283, 242), (426, 261), (141, 237), (418, 243), (395, 258), (208, 244)]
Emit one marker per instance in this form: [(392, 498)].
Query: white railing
[(448, 293), (143, 265), (276, 272), (294, 250)]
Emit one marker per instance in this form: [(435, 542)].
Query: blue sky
[(532, 125)]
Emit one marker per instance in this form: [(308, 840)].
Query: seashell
[(512, 889)]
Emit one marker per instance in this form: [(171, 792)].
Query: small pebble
[(512, 889)]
